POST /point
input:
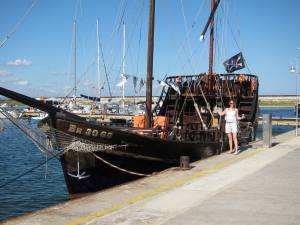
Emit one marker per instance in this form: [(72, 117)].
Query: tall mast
[(211, 47), (210, 22), (211, 42), (75, 81), (98, 61), (148, 112), (123, 64)]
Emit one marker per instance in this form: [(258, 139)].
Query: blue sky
[(37, 59)]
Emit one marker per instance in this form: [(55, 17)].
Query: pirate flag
[(234, 63)]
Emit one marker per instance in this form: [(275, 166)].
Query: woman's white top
[(230, 116)]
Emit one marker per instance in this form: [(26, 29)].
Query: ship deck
[(258, 186)]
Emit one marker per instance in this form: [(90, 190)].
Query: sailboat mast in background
[(98, 62), (211, 41), (75, 81), (210, 22), (148, 112), (123, 76), (211, 48)]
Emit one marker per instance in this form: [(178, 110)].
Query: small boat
[(41, 116)]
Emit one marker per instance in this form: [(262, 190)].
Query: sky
[(37, 58)]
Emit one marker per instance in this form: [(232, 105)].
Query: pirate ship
[(184, 122)]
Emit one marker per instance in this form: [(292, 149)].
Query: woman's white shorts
[(230, 128)]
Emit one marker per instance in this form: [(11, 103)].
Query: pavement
[(258, 186)]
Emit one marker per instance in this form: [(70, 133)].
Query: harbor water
[(287, 112), (45, 186), (35, 190)]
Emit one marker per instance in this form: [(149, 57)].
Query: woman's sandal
[(237, 152)]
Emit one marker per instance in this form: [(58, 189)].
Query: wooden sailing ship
[(185, 123)]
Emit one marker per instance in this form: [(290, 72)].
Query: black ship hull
[(101, 170), (98, 175), (133, 155)]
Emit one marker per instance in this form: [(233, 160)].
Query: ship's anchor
[(79, 175)]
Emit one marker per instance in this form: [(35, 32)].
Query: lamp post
[(294, 69)]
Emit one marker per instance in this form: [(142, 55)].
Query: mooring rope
[(119, 168)]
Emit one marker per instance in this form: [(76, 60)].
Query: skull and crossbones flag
[(236, 62)]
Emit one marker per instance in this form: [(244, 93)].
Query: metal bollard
[(185, 162), (267, 130)]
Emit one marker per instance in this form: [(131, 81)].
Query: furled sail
[(95, 99)]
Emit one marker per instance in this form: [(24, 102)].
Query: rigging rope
[(62, 143), (8, 35), (182, 108), (105, 69), (229, 92), (22, 127), (203, 95), (139, 50), (130, 39), (28, 171), (116, 27), (197, 110), (188, 34), (39, 139), (52, 140), (117, 23), (181, 47), (78, 81), (235, 40)]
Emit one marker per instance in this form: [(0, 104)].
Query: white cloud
[(22, 82), (5, 73), (19, 62)]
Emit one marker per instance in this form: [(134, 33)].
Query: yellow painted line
[(165, 187)]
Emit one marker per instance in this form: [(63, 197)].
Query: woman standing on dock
[(231, 118)]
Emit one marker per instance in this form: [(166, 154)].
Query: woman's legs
[(235, 142), (230, 141)]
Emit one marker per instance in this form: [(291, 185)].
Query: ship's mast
[(123, 64), (148, 112), (210, 22), (75, 77), (211, 41), (211, 49), (98, 61)]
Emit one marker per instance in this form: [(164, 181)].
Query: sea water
[(37, 189), (45, 186), (288, 112)]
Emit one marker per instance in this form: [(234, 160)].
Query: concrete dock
[(258, 186)]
